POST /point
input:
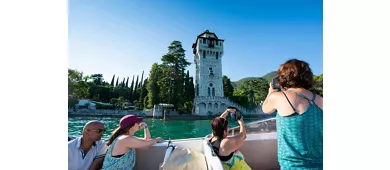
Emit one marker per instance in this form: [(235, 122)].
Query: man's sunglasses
[(98, 130)]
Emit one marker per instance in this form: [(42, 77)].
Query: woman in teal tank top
[(299, 117)]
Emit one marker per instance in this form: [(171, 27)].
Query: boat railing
[(255, 127)]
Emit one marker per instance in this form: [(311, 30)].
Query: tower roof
[(205, 35)]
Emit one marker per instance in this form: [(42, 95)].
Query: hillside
[(270, 75), (267, 77)]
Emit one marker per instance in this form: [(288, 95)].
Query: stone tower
[(209, 96)]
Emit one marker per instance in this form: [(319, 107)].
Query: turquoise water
[(168, 129)]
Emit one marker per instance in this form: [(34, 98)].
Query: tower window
[(208, 91), (216, 55), (213, 93), (211, 84), (204, 54), (204, 41)]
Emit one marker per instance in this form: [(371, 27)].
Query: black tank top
[(216, 145)]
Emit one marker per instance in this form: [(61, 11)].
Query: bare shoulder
[(127, 138), (226, 141), (319, 101), (318, 97), (276, 95)]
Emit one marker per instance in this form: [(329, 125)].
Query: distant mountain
[(270, 75), (267, 77)]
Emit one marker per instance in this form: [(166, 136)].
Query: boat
[(259, 149)]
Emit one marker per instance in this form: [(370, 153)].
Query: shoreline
[(170, 117)]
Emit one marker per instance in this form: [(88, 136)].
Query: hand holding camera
[(231, 109), (273, 86), (237, 113)]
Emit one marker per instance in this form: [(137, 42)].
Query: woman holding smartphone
[(299, 117), (226, 147)]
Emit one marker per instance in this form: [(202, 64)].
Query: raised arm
[(146, 131), (268, 106), (232, 143), (226, 112)]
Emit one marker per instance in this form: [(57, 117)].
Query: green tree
[(131, 90), (152, 87), (143, 93), (142, 79), (135, 94), (260, 88), (127, 82), (71, 102), (240, 97), (112, 81), (77, 84), (174, 64), (318, 85), (74, 75), (81, 89), (123, 83), (227, 87), (97, 79)]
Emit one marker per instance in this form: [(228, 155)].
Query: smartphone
[(238, 114), (274, 84), (231, 107)]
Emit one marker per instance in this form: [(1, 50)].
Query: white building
[(209, 95), (86, 104)]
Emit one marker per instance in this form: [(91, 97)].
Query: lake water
[(168, 129)]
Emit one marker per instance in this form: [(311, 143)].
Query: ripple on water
[(173, 129)]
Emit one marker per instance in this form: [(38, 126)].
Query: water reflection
[(173, 129)]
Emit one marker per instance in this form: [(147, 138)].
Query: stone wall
[(97, 112), (205, 105)]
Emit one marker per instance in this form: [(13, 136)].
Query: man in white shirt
[(88, 151)]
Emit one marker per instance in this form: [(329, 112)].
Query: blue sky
[(125, 37)]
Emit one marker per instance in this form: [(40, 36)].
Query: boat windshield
[(256, 127)]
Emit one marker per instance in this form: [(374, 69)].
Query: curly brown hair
[(295, 73)]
